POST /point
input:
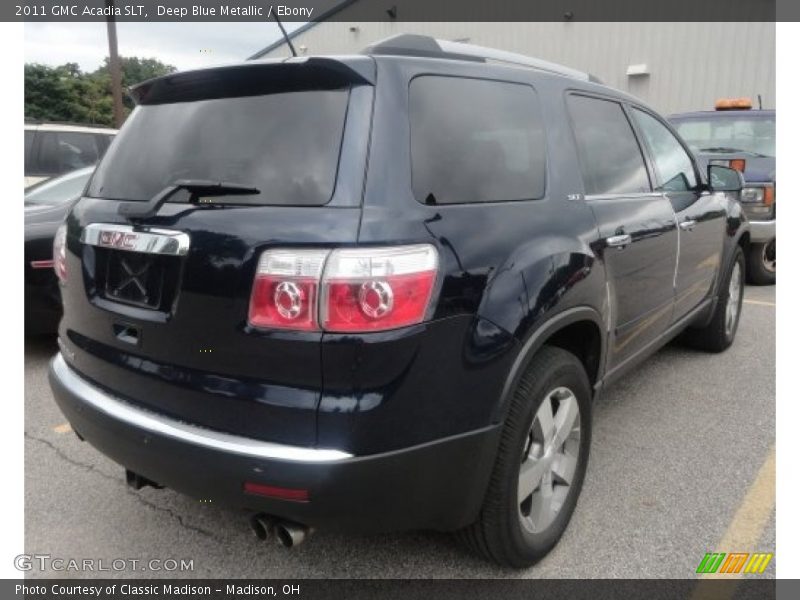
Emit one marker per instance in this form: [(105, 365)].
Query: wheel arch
[(744, 241), (579, 330)]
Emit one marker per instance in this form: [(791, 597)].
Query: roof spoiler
[(255, 78), (407, 44)]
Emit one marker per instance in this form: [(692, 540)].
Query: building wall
[(690, 64)]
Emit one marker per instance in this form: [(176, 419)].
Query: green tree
[(134, 70), (65, 93)]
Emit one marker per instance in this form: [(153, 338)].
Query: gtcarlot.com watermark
[(47, 562)]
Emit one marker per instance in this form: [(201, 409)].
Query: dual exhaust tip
[(287, 533)]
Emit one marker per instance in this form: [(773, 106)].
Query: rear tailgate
[(156, 307)]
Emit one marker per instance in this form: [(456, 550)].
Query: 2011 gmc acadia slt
[(381, 291)]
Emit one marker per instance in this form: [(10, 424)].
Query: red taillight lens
[(364, 289), (283, 302), (375, 289), (60, 253), (284, 292)]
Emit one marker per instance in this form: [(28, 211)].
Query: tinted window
[(77, 150), (611, 161), (475, 141), (673, 165), (48, 153), (28, 146), (285, 144), (64, 151)]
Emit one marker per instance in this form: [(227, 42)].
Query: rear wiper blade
[(197, 187)]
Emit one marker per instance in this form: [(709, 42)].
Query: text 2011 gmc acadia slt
[(381, 291)]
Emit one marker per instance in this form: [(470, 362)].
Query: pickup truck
[(736, 135)]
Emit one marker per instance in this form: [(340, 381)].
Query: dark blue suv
[(382, 291)]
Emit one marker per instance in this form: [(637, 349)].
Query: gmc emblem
[(118, 239)]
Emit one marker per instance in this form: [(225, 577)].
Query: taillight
[(60, 253), (352, 290), (285, 289), (371, 289)]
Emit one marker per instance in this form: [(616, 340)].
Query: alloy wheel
[(549, 460), (734, 299)]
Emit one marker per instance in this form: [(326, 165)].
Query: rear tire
[(719, 334), (536, 478), (761, 263)]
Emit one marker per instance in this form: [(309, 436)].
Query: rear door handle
[(688, 224), (618, 241)]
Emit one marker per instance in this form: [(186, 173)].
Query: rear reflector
[(351, 289), (271, 491), (42, 264)]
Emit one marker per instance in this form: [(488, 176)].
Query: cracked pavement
[(675, 447)]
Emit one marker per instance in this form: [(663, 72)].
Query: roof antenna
[(285, 35)]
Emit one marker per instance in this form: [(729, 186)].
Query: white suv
[(54, 148)]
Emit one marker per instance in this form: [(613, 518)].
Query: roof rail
[(408, 44)]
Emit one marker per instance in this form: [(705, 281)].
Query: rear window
[(475, 141), (286, 145)]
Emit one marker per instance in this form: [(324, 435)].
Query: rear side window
[(65, 151), (28, 148), (48, 153), (610, 157), (475, 141), (77, 150), (284, 144), (103, 142), (674, 167)]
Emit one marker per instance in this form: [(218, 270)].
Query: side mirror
[(724, 179)]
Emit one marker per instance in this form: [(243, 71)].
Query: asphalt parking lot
[(680, 466)]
